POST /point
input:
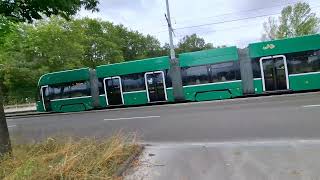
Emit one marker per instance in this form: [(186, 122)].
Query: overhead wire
[(230, 21), (248, 10), (231, 13), (225, 21), (239, 19)]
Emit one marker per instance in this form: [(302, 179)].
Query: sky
[(220, 22)]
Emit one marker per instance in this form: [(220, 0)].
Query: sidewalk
[(20, 108), (273, 160)]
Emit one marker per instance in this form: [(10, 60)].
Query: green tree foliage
[(6, 27), (100, 45), (135, 45), (29, 10), (192, 43), (294, 21)]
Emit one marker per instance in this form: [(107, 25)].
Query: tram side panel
[(211, 74), (65, 91), (136, 82), (291, 64)]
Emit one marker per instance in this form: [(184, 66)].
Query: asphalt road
[(277, 117)]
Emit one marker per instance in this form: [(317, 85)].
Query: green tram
[(286, 65)]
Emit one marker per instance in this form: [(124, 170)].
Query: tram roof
[(284, 46), (64, 76), (209, 56), (131, 67)]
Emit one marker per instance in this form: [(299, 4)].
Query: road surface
[(274, 117)]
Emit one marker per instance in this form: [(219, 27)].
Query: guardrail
[(20, 108)]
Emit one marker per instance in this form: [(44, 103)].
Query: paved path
[(270, 160)]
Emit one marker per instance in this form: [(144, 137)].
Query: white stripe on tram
[(206, 84), (80, 97), (302, 74)]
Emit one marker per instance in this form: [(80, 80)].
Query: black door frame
[(164, 84), (105, 88)]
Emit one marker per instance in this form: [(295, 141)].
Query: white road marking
[(314, 105), (144, 117), (12, 126)]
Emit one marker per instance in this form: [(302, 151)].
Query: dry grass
[(68, 159)]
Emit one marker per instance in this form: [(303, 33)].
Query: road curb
[(20, 112), (126, 165), (25, 114)]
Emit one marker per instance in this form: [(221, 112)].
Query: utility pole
[(175, 70)]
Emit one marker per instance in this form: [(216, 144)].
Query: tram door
[(274, 73), (156, 88), (113, 91)]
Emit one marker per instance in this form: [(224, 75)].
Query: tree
[(5, 145), (165, 50), (6, 27), (294, 21), (21, 10), (135, 45), (100, 42), (33, 50), (192, 43)]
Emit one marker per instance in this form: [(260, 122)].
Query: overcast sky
[(221, 22)]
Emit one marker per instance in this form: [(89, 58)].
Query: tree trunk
[(5, 144)]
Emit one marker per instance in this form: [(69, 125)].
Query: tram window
[(100, 86), (168, 78), (55, 92), (79, 89), (223, 72), (195, 75), (303, 62), (65, 91), (256, 71), (236, 66), (133, 82), (69, 90)]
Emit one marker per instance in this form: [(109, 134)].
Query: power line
[(248, 10), (223, 15), (231, 13), (225, 21), (221, 22), (228, 21), (217, 30)]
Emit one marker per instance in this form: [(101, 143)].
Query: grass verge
[(68, 158)]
